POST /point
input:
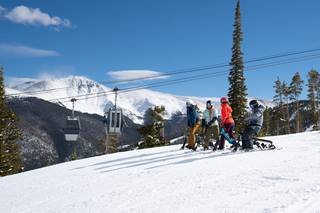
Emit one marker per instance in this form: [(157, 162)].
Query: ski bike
[(262, 144)]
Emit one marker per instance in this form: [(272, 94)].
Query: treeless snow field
[(168, 179)]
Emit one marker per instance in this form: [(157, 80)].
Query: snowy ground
[(171, 180)]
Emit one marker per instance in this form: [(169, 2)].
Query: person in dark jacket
[(255, 121), (193, 123)]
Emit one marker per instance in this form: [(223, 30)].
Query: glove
[(212, 121)]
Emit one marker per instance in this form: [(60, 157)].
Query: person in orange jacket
[(227, 121)]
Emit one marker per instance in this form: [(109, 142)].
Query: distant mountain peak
[(95, 97)]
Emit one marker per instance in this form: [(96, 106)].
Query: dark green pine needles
[(9, 133), (237, 90)]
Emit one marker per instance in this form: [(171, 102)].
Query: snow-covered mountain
[(134, 103), (168, 179)]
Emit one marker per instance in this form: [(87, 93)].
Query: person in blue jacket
[(193, 123)]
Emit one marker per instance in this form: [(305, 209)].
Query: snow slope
[(12, 91), (134, 103), (167, 179)]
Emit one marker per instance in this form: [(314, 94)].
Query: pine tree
[(10, 162), (74, 155), (278, 98), (275, 121), (153, 130), (286, 95), (313, 81), (296, 87), (237, 91), (265, 130)]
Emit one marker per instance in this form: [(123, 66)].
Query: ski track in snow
[(168, 179)]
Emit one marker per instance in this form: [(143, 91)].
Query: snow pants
[(229, 127), (248, 133), (212, 132), (192, 135)]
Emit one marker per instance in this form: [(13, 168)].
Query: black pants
[(247, 135)]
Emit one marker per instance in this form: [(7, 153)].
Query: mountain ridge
[(134, 103)]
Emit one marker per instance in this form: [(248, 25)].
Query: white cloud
[(34, 16), (45, 73), (25, 51), (130, 75), (2, 10), (55, 72), (14, 81)]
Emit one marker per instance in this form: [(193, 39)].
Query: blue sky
[(91, 38)]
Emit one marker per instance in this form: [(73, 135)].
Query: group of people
[(209, 125)]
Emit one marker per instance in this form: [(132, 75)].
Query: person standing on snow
[(227, 121), (211, 123), (193, 123), (255, 121)]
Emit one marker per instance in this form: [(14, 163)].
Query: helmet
[(253, 104), (189, 102), (209, 103), (224, 100)]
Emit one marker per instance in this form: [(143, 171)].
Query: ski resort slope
[(168, 179)]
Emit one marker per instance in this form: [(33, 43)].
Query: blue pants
[(228, 128)]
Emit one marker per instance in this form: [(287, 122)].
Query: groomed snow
[(167, 179)]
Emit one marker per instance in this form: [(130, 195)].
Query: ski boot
[(235, 146), (214, 148)]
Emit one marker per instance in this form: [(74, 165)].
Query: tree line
[(291, 114)]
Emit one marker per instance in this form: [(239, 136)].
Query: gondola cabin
[(114, 121), (72, 129)]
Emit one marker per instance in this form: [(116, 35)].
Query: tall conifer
[(9, 133), (296, 87), (313, 81), (237, 91)]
